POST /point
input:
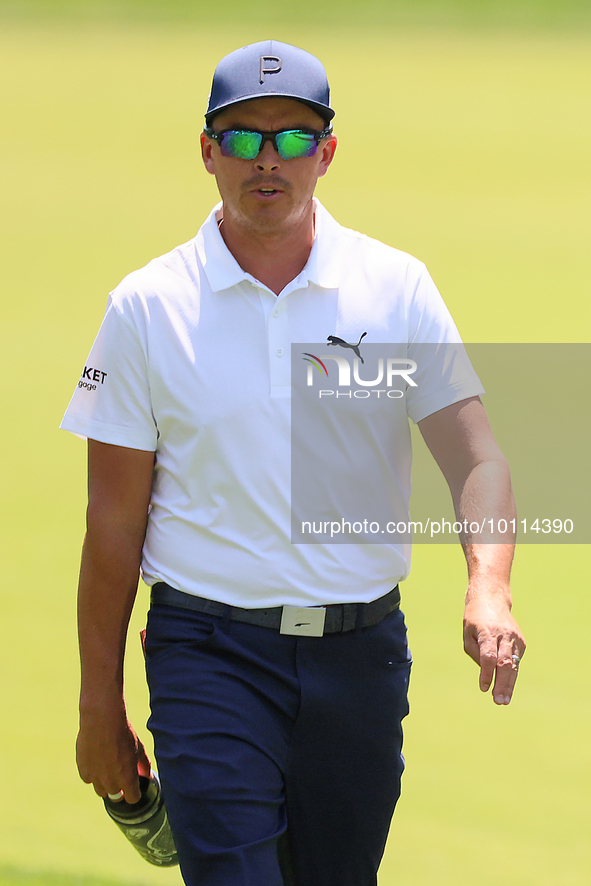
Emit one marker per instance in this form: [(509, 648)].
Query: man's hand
[(109, 754), (465, 449), (493, 639)]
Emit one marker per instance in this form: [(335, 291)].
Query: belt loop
[(359, 616), (227, 618)]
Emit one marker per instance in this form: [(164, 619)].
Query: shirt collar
[(223, 271), (324, 262), (221, 268)]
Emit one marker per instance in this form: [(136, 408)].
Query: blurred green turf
[(468, 150), (336, 13), (16, 877)]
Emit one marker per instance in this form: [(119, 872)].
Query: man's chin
[(270, 219)]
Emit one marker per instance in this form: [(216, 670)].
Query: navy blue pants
[(280, 757)]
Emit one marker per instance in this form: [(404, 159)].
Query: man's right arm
[(108, 752)]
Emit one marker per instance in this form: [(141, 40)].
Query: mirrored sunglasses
[(246, 144)]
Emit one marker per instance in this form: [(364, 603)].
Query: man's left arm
[(464, 447)]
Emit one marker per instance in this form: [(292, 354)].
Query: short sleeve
[(111, 402), (444, 373)]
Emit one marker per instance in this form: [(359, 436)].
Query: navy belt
[(331, 619)]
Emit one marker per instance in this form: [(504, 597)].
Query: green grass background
[(464, 139)]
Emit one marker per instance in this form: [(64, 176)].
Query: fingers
[(118, 787), (471, 645), (507, 669), (112, 761), (497, 647), (482, 648), (144, 766), (488, 665), (131, 788), (499, 662), (128, 783)]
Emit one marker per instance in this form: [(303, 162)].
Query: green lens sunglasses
[(246, 144)]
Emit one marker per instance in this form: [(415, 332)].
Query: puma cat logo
[(334, 340)]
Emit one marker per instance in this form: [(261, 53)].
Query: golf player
[(278, 671)]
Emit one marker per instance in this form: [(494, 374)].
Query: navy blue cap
[(267, 70)]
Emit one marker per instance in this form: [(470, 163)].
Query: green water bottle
[(145, 823)]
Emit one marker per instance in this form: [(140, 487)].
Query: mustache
[(266, 181)]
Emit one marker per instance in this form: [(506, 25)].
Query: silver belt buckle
[(305, 621)]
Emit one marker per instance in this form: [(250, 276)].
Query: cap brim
[(322, 110)]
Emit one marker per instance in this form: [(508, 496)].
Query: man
[(278, 672)]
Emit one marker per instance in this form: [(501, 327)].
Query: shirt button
[(275, 313), (279, 352)]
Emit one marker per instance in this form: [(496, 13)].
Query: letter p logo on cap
[(264, 69), (247, 73)]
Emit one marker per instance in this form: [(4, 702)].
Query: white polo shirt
[(192, 361)]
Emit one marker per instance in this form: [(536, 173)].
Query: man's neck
[(274, 257)]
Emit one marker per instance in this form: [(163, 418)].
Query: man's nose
[(268, 159)]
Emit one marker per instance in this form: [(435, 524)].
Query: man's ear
[(207, 153), (329, 146)]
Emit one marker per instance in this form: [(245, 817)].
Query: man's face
[(267, 194)]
